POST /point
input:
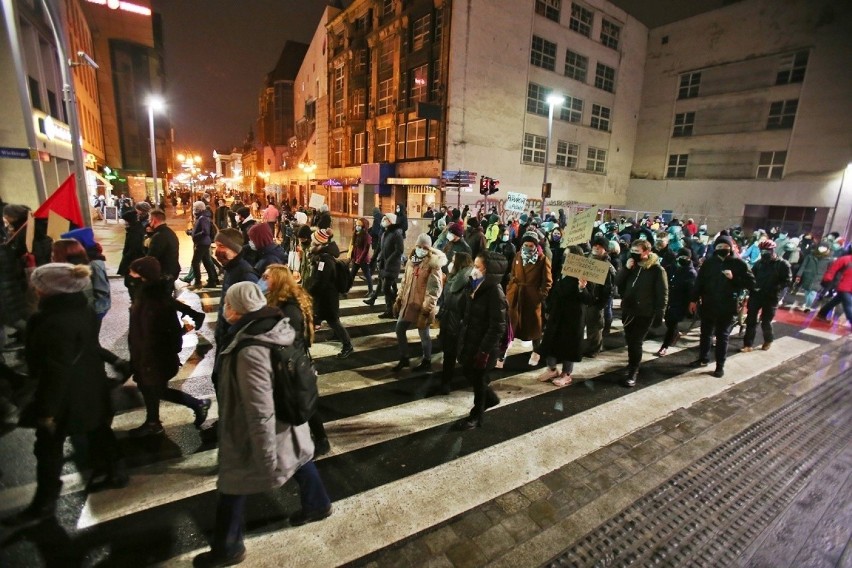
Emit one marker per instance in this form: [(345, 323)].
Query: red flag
[(63, 202)]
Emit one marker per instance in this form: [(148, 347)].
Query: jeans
[(720, 327), (154, 394), (810, 297), (402, 341), (844, 298), (201, 254), (635, 330), (767, 308), (608, 315), (387, 286), (671, 332), (365, 267), (567, 366)]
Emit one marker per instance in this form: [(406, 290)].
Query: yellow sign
[(586, 268), (580, 227)]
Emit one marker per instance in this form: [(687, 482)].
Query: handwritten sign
[(316, 201), (516, 202), (580, 227), (586, 268)]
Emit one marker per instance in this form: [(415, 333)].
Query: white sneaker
[(563, 380), (499, 364), (548, 375), (534, 358)]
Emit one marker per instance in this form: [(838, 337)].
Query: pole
[(546, 154), (153, 153)]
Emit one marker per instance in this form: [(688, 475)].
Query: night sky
[(217, 55)]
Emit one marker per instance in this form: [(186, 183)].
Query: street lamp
[(308, 167), (154, 103), (553, 100)]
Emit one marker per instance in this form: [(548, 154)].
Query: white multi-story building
[(745, 117)]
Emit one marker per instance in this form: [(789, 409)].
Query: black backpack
[(342, 276), (294, 386)]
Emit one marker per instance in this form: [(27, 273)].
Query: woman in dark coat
[(483, 326), (563, 332), (72, 397), (267, 251), (13, 277), (453, 304), (681, 281), (320, 282), (402, 219), (134, 247), (155, 340), (389, 263)]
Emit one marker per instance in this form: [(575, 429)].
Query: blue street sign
[(18, 153)]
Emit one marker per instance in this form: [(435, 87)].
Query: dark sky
[(217, 55)]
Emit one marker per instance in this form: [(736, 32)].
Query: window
[(576, 66), (411, 140), (792, 68), (533, 149), (382, 144), (567, 154), (337, 152), (771, 165), (572, 110), (359, 146), (683, 124), (581, 20), (338, 78), (386, 57), (689, 83), (420, 32), (548, 8), (311, 110), (35, 93), (418, 85), (677, 166), (359, 61), (782, 114), (358, 104), (596, 160), (600, 117), (537, 99), (605, 78), (439, 25), (610, 33), (383, 105), (543, 53), (387, 10), (364, 23), (338, 119), (435, 94)]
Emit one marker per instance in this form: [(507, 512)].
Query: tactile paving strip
[(708, 513)]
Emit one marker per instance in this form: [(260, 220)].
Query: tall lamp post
[(553, 100), (308, 167), (154, 103)]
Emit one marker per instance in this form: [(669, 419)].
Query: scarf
[(529, 258)]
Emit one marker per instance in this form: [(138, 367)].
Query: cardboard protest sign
[(579, 229), (56, 225), (316, 201), (586, 268), (515, 202)]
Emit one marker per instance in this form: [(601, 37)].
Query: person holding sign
[(529, 285), (563, 332), (644, 292)]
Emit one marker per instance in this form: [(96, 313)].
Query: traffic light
[(484, 185), (493, 186)]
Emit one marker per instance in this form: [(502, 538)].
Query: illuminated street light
[(553, 100), (155, 103)]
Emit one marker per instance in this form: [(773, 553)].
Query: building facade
[(744, 118)]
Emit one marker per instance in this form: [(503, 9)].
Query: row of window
[(581, 20), (567, 154), (791, 70), (543, 54), (570, 111), (782, 114), (414, 139), (770, 165)]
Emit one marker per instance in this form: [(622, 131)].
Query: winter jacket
[(13, 283), (668, 259), (563, 332), (390, 255), (402, 219), (681, 281), (101, 300), (475, 240), (235, 270), (417, 301), (812, 271), (223, 218), (134, 243), (556, 260), (64, 360), (485, 317), (771, 277), (270, 254), (362, 244), (644, 289), (454, 302), (508, 250), (528, 287), (841, 265), (321, 282), (155, 334), (717, 293), (201, 233), (164, 246), (602, 292), (257, 452), (451, 248)]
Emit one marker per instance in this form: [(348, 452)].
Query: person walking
[(563, 332), (389, 263), (595, 319), (474, 237), (359, 252), (163, 245), (455, 296), (644, 290), (417, 302), (201, 240), (134, 247), (483, 328), (455, 242), (258, 451), (229, 252), (810, 274), (401, 219), (844, 286), (72, 251), (320, 282), (72, 397), (376, 232), (771, 276), (529, 285), (721, 279), (681, 281), (267, 251)]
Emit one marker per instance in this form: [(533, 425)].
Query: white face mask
[(385, 224), (450, 267), (451, 237), (476, 274), (420, 252), (505, 238), (358, 228)]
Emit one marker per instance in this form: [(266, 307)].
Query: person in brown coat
[(155, 340), (529, 284)]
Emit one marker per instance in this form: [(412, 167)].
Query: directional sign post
[(457, 179)]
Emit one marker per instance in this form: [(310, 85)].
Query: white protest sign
[(586, 268), (316, 201), (579, 229), (515, 202)]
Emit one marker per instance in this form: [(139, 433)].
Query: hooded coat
[(454, 302), (201, 232), (164, 246), (154, 335), (257, 452), (417, 301), (321, 282), (484, 322), (717, 293), (528, 287), (813, 269), (644, 289), (563, 333), (362, 243), (134, 242), (392, 249)]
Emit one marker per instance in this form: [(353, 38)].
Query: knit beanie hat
[(530, 237), (147, 267), (244, 212), (456, 229), (685, 252), (391, 217), (321, 236), (473, 223), (199, 206), (724, 239), (245, 297), (303, 233), (601, 241), (424, 240), (61, 278), (85, 235), (230, 238), (260, 235)]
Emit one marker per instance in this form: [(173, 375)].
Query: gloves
[(480, 360), (658, 320)]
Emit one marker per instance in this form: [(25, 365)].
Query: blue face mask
[(264, 286)]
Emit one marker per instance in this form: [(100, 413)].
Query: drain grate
[(708, 513)]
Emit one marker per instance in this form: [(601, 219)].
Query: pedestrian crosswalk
[(396, 467)]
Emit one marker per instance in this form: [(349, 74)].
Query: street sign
[(457, 179), (16, 153)]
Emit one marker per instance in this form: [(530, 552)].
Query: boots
[(403, 363), (630, 377)]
